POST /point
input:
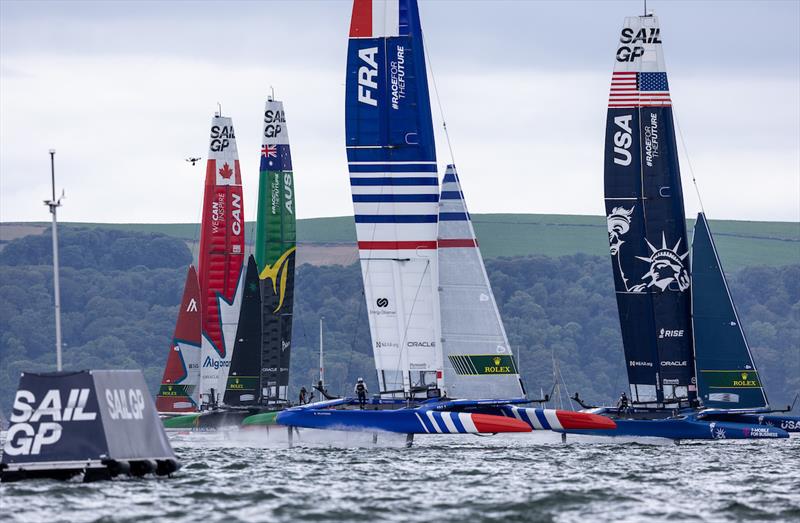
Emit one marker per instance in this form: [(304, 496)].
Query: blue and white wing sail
[(393, 177)]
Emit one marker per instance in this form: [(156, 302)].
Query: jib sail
[(179, 386), (392, 162), (646, 224), (221, 258), (726, 373), (243, 380), (478, 362), (275, 253)]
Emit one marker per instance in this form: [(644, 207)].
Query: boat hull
[(788, 423), (209, 420), (685, 428), (403, 421)]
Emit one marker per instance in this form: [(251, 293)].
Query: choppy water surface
[(339, 477)]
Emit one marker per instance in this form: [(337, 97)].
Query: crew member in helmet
[(622, 403), (361, 392), (303, 393)]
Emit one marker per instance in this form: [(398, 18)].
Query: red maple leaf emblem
[(226, 171)]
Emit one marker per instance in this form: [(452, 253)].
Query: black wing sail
[(243, 379), (646, 223)]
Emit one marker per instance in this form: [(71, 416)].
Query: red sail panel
[(221, 256), (178, 390)]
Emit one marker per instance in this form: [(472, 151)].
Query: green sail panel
[(726, 373), (275, 247)]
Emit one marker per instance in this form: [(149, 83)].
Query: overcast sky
[(125, 91)]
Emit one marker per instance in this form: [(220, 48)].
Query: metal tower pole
[(53, 205)]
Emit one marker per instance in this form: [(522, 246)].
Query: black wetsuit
[(361, 391)]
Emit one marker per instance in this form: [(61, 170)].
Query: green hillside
[(741, 243)]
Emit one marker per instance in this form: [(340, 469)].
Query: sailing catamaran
[(220, 281), (275, 254), (414, 314), (664, 343), (251, 310)]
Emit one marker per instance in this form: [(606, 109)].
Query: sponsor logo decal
[(634, 363), (673, 364), (367, 75), (221, 137), (670, 333), (278, 274), (385, 344), (382, 302), (732, 379), (216, 364), (397, 71), (623, 140), (23, 440), (483, 364), (651, 140), (634, 44), (426, 344), (236, 204), (273, 121), (192, 306)]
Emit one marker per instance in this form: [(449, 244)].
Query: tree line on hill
[(120, 294)]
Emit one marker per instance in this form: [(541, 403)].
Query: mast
[(646, 224), (54, 204), (395, 188), (321, 356)]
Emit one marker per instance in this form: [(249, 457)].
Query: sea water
[(339, 477)]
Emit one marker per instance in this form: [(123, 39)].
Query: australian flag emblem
[(276, 157)]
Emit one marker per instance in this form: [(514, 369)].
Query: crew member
[(303, 399), (622, 404), (361, 392)]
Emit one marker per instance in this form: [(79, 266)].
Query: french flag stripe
[(457, 422), (395, 218), (424, 426), (469, 425), (375, 18), (448, 421), (396, 245), (530, 420), (396, 198), (452, 195), (542, 419), (387, 181), (391, 168), (457, 242), (433, 422), (453, 216), (552, 417)]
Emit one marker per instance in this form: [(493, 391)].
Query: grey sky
[(125, 91)]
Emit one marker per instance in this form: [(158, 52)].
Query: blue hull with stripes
[(688, 427)]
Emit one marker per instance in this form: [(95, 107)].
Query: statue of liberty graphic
[(666, 265)]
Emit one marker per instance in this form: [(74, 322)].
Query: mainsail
[(221, 258), (179, 386), (243, 379), (646, 224), (726, 373), (478, 362), (392, 162), (275, 253)]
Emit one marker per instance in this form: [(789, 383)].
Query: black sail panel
[(243, 379), (646, 223)]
